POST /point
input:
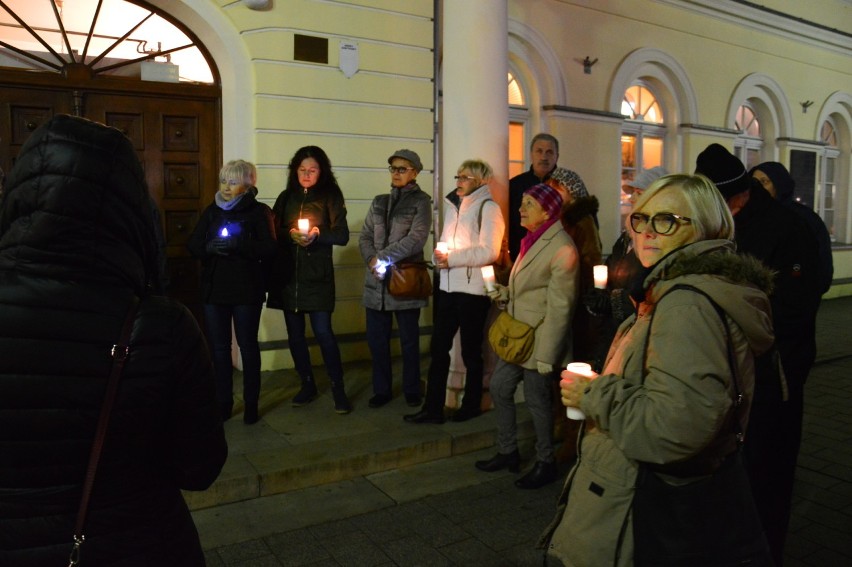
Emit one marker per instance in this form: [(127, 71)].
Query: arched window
[(642, 135), (749, 142), (106, 37), (518, 126), (827, 184)]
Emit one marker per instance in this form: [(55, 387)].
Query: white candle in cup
[(442, 247), (582, 369), (488, 276), (304, 226), (600, 274)]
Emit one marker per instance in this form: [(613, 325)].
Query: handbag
[(512, 340), (410, 280), (711, 521), (120, 352)]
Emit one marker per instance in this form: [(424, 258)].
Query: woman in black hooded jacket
[(76, 246), (304, 281)]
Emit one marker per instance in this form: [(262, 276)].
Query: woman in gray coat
[(395, 230)]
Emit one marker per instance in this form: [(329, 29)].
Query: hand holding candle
[(574, 380), (442, 249), (600, 275), (488, 277)]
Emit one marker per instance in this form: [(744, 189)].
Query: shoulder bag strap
[(738, 395), (120, 352)]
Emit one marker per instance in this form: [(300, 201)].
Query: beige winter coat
[(680, 407), (543, 289)]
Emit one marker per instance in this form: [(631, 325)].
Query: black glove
[(221, 246), (597, 302)]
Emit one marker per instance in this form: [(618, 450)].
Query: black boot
[(250, 414), (225, 410), (542, 473), (511, 461), (307, 394), (341, 402)]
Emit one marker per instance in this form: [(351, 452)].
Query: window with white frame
[(518, 120), (826, 198), (642, 135), (749, 142)]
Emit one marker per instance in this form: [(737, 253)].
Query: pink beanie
[(548, 197)]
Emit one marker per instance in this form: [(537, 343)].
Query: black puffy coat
[(76, 244), (308, 284), (237, 278)]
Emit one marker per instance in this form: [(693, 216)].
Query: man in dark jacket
[(544, 150), (76, 246), (775, 235)]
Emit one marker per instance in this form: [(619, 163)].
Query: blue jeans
[(246, 319), (379, 325), (321, 324)]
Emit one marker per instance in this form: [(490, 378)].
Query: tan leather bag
[(410, 280), (512, 340)]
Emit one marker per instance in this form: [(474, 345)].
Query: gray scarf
[(227, 205)]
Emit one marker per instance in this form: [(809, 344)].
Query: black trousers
[(456, 312)]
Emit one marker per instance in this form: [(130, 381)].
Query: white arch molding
[(208, 22), (539, 66), (764, 89), (649, 63), (838, 104)]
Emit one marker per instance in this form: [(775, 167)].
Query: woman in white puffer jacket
[(473, 230)]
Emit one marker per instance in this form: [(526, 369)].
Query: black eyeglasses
[(662, 223), (393, 169), (464, 178)]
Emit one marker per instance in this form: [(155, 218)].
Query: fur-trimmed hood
[(740, 284), (579, 208)]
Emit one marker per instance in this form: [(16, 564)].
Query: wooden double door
[(175, 129)]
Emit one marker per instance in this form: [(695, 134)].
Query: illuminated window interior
[(640, 104), (110, 37)]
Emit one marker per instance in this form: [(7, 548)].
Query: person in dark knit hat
[(775, 235)]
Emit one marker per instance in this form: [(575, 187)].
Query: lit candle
[(442, 247), (600, 273), (488, 276), (224, 233), (304, 226), (582, 369)]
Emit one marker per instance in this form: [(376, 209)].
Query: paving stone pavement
[(447, 513)]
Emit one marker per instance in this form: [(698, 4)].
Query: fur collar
[(718, 260), (579, 208)]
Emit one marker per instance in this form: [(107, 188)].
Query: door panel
[(177, 138)]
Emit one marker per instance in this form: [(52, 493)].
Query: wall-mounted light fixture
[(806, 105), (587, 64), (257, 4)]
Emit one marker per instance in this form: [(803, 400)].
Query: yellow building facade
[(623, 84)]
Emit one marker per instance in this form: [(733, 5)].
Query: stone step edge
[(293, 473)]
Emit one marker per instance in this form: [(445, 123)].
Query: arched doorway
[(112, 61)]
